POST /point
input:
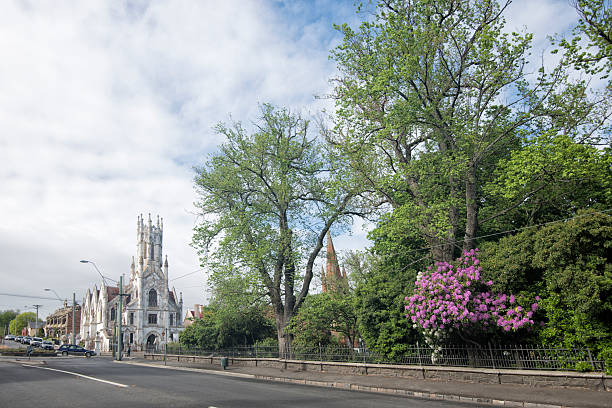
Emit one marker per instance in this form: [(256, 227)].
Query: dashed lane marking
[(79, 375)]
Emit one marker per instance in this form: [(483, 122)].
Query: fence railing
[(509, 357)]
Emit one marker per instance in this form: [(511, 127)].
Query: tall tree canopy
[(431, 96), (591, 47), (21, 320), (267, 199)]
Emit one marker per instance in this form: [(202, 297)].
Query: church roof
[(111, 292)]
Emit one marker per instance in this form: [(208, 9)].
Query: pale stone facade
[(151, 315)]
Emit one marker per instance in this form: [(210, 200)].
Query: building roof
[(112, 292)]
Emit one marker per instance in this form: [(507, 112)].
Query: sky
[(106, 108)]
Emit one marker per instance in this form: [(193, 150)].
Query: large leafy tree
[(591, 47), (385, 275), (267, 200), (568, 264), (558, 175), (432, 94), (321, 315), (21, 320), (5, 318), (221, 328)]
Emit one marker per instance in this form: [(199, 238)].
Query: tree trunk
[(284, 338), (471, 205)]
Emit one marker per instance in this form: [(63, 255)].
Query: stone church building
[(151, 313)]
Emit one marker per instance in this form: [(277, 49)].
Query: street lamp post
[(98, 270)]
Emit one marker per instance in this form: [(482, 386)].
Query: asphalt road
[(100, 382)]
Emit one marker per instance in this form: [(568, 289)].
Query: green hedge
[(21, 352)]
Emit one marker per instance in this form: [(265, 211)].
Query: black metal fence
[(510, 357)]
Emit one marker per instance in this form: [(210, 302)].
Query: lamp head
[(84, 261)]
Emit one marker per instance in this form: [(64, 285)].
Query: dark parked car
[(74, 350), (46, 345)]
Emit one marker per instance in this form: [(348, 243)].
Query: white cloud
[(106, 106), (104, 109)]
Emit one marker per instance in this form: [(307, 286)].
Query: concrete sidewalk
[(498, 395)]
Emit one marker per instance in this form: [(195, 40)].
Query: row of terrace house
[(59, 324)]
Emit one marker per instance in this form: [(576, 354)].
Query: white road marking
[(79, 375)]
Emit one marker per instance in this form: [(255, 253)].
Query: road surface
[(99, 382)]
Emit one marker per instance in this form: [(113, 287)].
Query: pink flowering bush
[(451, 297)]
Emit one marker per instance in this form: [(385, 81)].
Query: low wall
[(534, 378)]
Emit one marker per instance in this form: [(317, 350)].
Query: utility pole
[(73, 307), (119, 316), (36, 323)]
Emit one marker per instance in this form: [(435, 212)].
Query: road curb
[(200, 370), (365, 388)]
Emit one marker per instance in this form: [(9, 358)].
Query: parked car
[(18, 338), (26, 340), (74, 350), (36, 341), (9, 337), (46, 345)]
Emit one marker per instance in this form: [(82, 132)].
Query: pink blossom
[(441, 298)]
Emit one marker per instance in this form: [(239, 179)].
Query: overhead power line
[(29, 296), (187, 274), (456, 241)]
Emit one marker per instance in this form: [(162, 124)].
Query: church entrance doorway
[(151, 342)]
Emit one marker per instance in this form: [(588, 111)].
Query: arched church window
[(113, 314), (171, 319), (152, 298)]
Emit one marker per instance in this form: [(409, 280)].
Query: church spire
[(333, 275)]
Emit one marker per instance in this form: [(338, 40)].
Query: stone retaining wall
[(566, 379)]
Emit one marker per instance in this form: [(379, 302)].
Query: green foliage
[(568, 264), (5, 318), (606, 355), (321, 315), (557, 175), (380, 307), (422, 121), (385, 276), (267, 199), (22, 321), (591, 47), (218, 329), (267, 342), (202, 333), (584, 367)]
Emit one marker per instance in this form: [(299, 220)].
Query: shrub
[(584, 367), (451, 298), (606, 355)]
